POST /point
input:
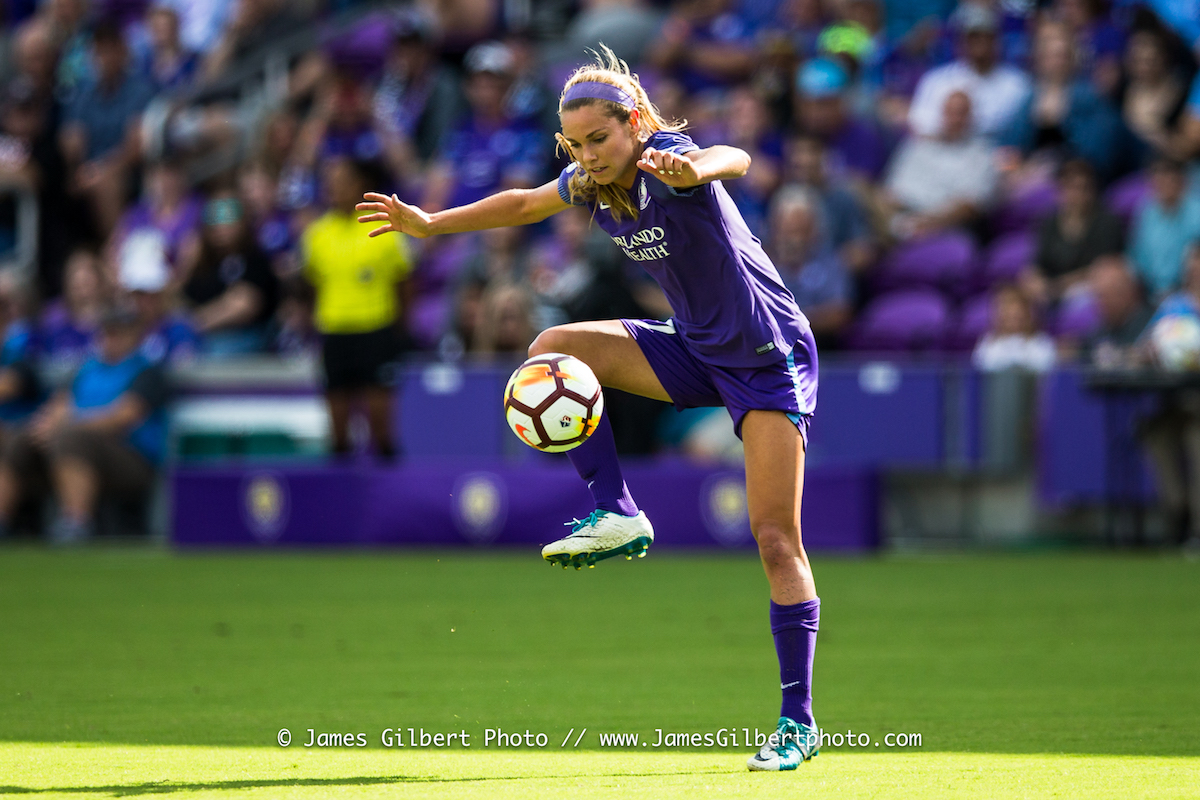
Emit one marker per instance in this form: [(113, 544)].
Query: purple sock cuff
[(806, 615)]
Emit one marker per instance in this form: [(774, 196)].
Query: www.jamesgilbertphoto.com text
[(731, 738)]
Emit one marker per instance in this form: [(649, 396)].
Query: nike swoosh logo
[(604, 206), (661, 327), (789, 685)]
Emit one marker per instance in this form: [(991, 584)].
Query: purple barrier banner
[(483, 503), (1087, 451)]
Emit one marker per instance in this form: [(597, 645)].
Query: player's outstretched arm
[(683, 170), (501, 210)]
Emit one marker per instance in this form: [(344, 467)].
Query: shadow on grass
[(169, 787)]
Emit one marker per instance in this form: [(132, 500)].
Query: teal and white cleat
[(791, 743), (601, 535)]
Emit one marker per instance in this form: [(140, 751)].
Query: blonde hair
[(607, 68)]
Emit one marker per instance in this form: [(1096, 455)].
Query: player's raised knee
[(551, 340)]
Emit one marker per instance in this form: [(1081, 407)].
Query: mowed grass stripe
[(104, 771)]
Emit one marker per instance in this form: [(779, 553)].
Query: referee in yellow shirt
[(358, 283)]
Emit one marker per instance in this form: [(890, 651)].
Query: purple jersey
[(730, 304)]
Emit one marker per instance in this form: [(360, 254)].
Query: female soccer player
[(737, 339)]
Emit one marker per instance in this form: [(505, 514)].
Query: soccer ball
[(553, 402), (1176, 340)]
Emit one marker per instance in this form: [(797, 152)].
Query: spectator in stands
[(529, 97), (32, 94), (20, 386), (1079, 231), (501, 256), (561, 268), (228, 282), (1164, 227), (943, 181), (906, 18), (200, 21), (488, 150), (996, 90), (168, 63), (359, 312), (67, 21), (258, 189), (1063, 116), (100, 139), (1123, 314), (854, 147), (250, 25), (23, 145), (846, 221), (1098, 42), (350, 129), (746, 122), (98, 439), (1013, 340), (34, 58), (706, 45), (417, 103), (68, 325), (810, 268), (464, 23), (629, 27), (1171, 436), (506, 325), (167, 206), (145, 275), (1152, 95)]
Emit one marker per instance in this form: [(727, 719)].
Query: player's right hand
[(400, 216)]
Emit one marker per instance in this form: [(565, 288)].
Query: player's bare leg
[(774, 488), (617, 526), (609, 350)]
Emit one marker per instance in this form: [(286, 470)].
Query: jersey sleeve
[(672, 142), (563, 191)]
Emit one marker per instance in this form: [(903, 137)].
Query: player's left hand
[(672, 169)]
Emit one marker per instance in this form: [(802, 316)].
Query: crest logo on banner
[(480, 506), (723, 508), (266, 505)]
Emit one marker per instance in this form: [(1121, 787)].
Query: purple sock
[(596, 462), (795, 630)]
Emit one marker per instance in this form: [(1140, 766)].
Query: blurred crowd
[(920, 169), (1012, 179)]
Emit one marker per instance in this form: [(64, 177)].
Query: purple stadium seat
[(912, 319), (947, 261), (1126, 196), (1024, 208), (972, 322), (1007, 257), (1077, 316)]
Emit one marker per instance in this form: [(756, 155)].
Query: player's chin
[(604, 175)]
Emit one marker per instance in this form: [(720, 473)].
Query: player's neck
[(627, 178)]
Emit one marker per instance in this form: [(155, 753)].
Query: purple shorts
[(789, 385)]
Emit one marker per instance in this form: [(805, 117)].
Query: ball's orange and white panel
[(553, 402)]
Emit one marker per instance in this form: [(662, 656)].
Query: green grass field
[(126, 672)]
